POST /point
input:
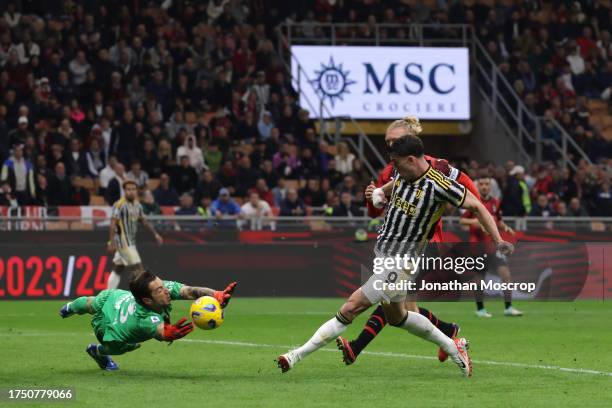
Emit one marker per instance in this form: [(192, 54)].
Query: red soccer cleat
[(348, 356), (442, 356)]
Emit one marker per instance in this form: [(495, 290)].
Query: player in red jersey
[(377, 321), (495, 260)]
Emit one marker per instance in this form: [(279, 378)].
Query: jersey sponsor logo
[(403, 205), (155, 319)]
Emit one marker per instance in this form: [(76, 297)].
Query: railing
[(284, 223), (523, 127), (379, 34), (515, 118)]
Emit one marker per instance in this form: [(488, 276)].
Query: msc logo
[(413, 80), (332, 82)]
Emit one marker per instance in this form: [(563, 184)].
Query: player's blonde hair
[(410, 124)]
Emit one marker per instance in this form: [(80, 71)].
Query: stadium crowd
[(191, 101)]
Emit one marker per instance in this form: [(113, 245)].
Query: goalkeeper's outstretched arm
[(194, 292), (222, 296)]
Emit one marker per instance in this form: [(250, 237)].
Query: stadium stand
[(170, 94)]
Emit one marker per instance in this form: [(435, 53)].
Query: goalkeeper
[(122, 320)]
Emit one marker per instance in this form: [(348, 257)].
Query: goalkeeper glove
[(223, 297), (178, 330)]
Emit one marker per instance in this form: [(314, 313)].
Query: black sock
[(508, 298), (447, 328), (376, 322), (480, 305)]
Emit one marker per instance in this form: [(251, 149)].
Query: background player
[(496, 261), (377, 321), (122, 320), (127, 213)]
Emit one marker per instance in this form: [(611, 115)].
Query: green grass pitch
[(558, 354)]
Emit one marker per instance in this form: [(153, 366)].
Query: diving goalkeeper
[(123, 319)]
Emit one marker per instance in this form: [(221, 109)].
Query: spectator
[(259, 155), (562, 209), (21, 133), (311, 194), (361, 176), (78, 194), (164, 194), (7, 199), (516, 201), (344, 159), (576, 209), (603, 200), (246, 176), (280, 192), (204, 207), (114, 190), (269, 174), (149, 206), (137, 174), (292, 205), (224, 205), (185, 176), (265, 125), (12, 16), (123, 138), (78, 68), (61, 186), (207, 186), (542, 207), (107, 174), (76, 161), (347, 207), (348, 185), (19, 173), (262, 189), (193, 152), (213, 157), (96, 159), (186, 206), (309, 167), (253, 210), (43, 190), (149, 159)]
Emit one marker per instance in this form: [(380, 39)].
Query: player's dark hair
[(128, 182), (139, 285), (407, 145)]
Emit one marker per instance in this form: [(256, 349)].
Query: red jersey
[(439, 164), (476, 233)]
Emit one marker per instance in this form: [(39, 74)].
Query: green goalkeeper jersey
[(122, 319)]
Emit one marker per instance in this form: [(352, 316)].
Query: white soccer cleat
[(286, 361), (483, 313), (512, 311), (462, 357)]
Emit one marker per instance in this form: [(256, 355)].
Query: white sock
[(419, 325), (329, 331), (113, 280)]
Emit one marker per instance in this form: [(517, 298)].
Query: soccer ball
[(206, 313)]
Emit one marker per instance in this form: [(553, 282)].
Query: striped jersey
[(127, 215), (414, 209)]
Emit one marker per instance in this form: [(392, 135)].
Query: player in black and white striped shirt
[(417, 202)]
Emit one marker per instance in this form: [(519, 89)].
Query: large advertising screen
[(382, 82)]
